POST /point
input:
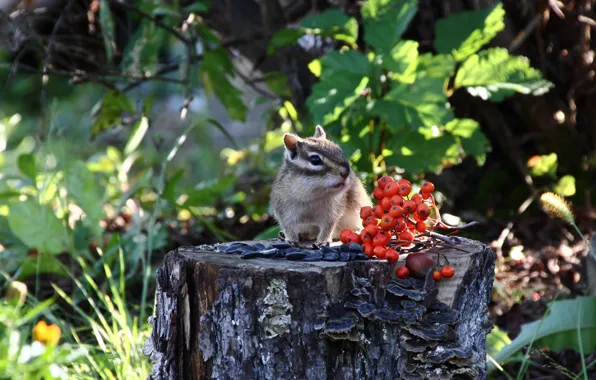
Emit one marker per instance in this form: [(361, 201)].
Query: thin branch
[(154, 20)]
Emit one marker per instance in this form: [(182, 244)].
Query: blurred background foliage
[(129, 128)]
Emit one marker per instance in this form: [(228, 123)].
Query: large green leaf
[(386, 21), (332, 23), (111, 108), (415, 105), (471, 138), (38, 227), (26, 163), (419, 151), (83, 189), (439, 66), (463, 34), (343, 76), (495, 74), (402, 61), (559, 329), (215, 69)]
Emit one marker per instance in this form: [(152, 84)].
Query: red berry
[(386, 203), (407, 235), (421, 227), (391, 189), (387, 222), (402, 272), (368, 249), (379, 252), (428, 187), (397, 200), (384, 180), (344, 236), (370, 221), (372, 230), (436, 275), (378, 193), (400, 224), (391, 255), (425, 195), (423, 211), (417, 198), (355, 238), (409, 206), (365, 212), (396, 211), (404, 187), (447, 271), (365, 237), (378, 211), (379, 241)]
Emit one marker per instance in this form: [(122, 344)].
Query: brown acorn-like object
[(419, 263)]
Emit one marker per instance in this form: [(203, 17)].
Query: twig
[(154, 20), (523, 35)]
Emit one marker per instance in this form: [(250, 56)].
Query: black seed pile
[(283, 250)]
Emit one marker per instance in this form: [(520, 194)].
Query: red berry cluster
[(395, 220)]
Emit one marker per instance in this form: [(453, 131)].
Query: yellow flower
[(46, 334), (555, 205)]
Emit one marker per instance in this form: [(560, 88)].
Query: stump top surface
[(465, 248)]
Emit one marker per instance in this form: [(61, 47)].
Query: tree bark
[(218, 316)]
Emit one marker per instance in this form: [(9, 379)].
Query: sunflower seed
[(300, 255)]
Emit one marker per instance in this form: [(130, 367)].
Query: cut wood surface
[(218, 316)]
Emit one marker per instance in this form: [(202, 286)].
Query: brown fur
[(303, 199)]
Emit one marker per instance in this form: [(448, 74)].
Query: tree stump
[(218, 316)]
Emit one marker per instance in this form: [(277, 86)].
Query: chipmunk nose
[(344, 170)]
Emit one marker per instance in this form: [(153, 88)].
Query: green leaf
[(343, 77), (44, 263), (137, 136), (332, 23), (566, 186), (215, 68), (543, 165), (107, 28), (166, 10), (386, 21), (111, 108), (38, 227), (169, 192), (463, 34), (418, 152), (207, 192), (494, 74), (83, 189), (141, 52), (402, 61), (197, 7), (26, 163), (282, 38), (559, 329), (415, 105), (471, 138), (439, 66), (496, 340)]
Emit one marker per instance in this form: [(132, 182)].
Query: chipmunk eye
[(315, 159)]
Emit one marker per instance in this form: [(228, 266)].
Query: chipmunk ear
[(291, 142), (320, 132)]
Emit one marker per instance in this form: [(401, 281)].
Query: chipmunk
[(316, 193)]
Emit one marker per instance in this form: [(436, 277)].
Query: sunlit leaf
[(386, 21), (343, 76), (38, 227), (543, 165), (495, 74), (111, 108), (402, 61), (496, 340), (332, 23), (566, 186), (470, 136), (137, 135), (464, 33)]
